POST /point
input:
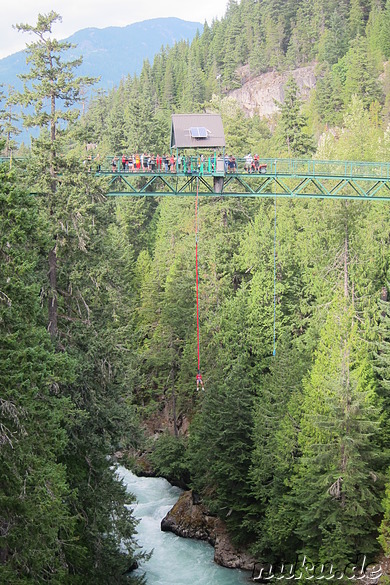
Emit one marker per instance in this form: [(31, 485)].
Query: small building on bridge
[(200, 131), (197, 131)]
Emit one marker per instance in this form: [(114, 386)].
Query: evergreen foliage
[(84, 415), (291, 450), (293, 123), (337, 482), (37, 527)]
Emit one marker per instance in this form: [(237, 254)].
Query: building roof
[(197, 131)]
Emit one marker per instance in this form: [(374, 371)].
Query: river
[(175, 560)]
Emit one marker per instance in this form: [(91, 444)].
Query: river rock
[(190, 519)]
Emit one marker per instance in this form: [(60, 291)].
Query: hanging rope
[(274, 349), (199, 380)]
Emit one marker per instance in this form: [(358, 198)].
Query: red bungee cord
[(199, 380)]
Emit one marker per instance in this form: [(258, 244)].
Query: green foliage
[(168, 459), (385, 41), (276, 451), (334, 43), (36, 522), (8, 119), (343, 145), (328, 101), (293, 123), (86, 414), (219, 449), (290, 450), (361, 75), (56, 78), (384, 535), (337, 482)]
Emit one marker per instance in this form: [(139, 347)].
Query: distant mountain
[(113, 52)]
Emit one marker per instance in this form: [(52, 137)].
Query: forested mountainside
[(98, 311), (348, 42)]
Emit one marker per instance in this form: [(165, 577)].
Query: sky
[(78, 14)]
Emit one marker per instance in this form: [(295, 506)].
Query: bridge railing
[(329, 168), (217, 166), (269, 166)]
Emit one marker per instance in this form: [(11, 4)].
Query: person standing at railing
[(201, 164), (165, 163), (132, 163), (248, 163), (173, 163)]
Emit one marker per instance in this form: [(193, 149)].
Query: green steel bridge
[(274, 178)]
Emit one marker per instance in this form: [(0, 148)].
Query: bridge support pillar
[(218, 184)]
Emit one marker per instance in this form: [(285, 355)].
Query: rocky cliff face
[(190, 519), (258, 94)]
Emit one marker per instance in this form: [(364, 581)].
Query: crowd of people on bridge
[(148, 163), (169, 163)]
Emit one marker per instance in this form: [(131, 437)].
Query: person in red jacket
[(199, 381)]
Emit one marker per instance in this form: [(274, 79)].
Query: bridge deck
[(275, 177)]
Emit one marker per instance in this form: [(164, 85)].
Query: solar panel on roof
[(198, 132)]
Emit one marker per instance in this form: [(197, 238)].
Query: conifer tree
[(361, 75), (293, 123), (382, 368), (374, 34), (385, 40), (328, 101), (8, 120), (36, 523), (337, 482), (49, 83), (356, 19), (336, 38), (277, 416), (82, 312), (220, 445)]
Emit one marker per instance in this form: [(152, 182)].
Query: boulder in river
[(189, 518)]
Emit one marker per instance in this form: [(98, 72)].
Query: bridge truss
[(280, 178), (294, 178)]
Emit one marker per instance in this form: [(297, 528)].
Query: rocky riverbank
[(190, 519)]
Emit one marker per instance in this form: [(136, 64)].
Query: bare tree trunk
[(174, 415), (53, 300), (52, 303), (346, 262), (347, 406), (175, 429)]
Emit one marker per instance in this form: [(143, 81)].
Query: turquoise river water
[(175, 560)]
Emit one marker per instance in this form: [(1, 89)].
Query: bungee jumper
[(199, 381)]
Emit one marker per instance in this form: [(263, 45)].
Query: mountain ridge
[(113, 52)]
